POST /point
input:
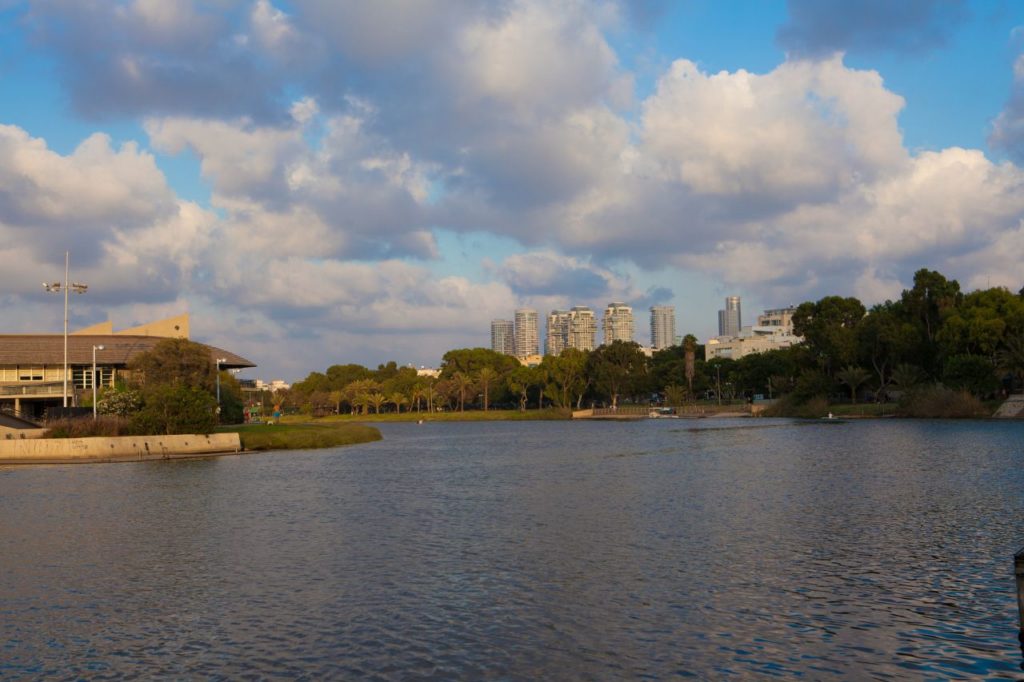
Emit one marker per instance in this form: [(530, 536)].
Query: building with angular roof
[(32, 365)]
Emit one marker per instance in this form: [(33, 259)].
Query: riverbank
[(448, 416), (116, 448)]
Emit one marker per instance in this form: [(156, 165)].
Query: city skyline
[(318, 181)]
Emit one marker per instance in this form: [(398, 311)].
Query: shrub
[(940, 402), (106, 426)]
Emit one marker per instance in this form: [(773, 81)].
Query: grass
[(449, 416), (301, 436)]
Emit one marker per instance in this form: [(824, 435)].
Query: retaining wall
[(118, 449)]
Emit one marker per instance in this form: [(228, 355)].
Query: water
[(713, 548)]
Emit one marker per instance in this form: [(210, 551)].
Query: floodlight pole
[(94, 349), (66, 286)]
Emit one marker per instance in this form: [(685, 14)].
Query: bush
[(106, 426), (171, 409), (789, 406), (942, 403)]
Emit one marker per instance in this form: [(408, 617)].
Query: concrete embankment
[(116, 449)]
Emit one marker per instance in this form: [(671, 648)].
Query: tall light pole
[(94, 349), (219, 360), (66, 287)]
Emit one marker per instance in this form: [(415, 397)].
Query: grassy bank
[(302, 436), (453, 416)]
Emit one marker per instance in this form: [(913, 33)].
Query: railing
[(32, 389)]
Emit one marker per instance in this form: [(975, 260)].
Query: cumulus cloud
[(819, 28)]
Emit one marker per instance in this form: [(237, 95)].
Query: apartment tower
[(558, 332), (618, 323), (663, 326), (582, 328), (527, 339), (503, 337), (729, 320)]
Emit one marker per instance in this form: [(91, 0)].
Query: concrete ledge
[(118, 449)]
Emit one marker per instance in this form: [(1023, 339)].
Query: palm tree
[(397, 399), (853, 377), (907, 376), (675, 395), (416, 395), (486, 376), (463, 382), (376, 399)]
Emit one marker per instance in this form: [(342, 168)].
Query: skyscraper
[(503, 337), (663, 326), (558, 332), (582, 328), (618, 323), (527, 338), (729, 320)]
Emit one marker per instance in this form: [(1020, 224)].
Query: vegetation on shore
[(934, 352), (547, 414), (302, 436)]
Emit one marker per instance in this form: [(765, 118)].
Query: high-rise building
[(527, 338), (618, 323), (730, 321), (663, 326), (503, 337), (582, 328), (558, 332)]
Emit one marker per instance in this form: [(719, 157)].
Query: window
[(82, 376), (30, 373)]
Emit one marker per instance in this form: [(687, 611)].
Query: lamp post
[(219, 360), (94, 349), (66, 287)]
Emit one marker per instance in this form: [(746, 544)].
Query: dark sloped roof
[(118, 349)]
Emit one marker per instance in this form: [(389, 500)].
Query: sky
[(320, 182)]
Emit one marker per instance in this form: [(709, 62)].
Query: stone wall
[(122, 448)]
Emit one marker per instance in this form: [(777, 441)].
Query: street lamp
[(219, 360), (94, 349), (66, 287)]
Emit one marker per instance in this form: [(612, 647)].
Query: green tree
[(970, 373), (853, 377), (675, 395), (885, 339), (616, 368), (377, 400), (463, 383), (398, 399), (567, 373), (829, 328), (486, 376)]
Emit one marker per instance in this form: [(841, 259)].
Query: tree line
[(933, 335)]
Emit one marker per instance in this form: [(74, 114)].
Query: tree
[(376, 400), (885, 339), (616, 367), (970, 373), (931, 295), (486, 376), (463, 383), (829, 329), (568, 374), (853, 377), (397, 399), (675, 395), (690, 350), (177, 362), (176, 381)]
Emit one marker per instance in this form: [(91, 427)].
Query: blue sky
[(323, 182)]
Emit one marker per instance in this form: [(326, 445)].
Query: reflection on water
[(529, 550)]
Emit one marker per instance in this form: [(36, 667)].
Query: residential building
[(730, 322), (503, 337), (663, 326), (582, 328), (558, 332), (527, 339), (774, 331), (618, 323), (779, 318)]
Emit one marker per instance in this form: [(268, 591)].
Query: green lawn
[(302, 436)]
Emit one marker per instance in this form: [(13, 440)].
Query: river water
[(527, 550)]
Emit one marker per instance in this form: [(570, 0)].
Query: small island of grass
[(302, 436)]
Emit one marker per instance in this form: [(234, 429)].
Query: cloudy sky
[(323, 181)]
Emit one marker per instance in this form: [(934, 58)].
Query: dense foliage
[(969, 345), (172, 389)]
